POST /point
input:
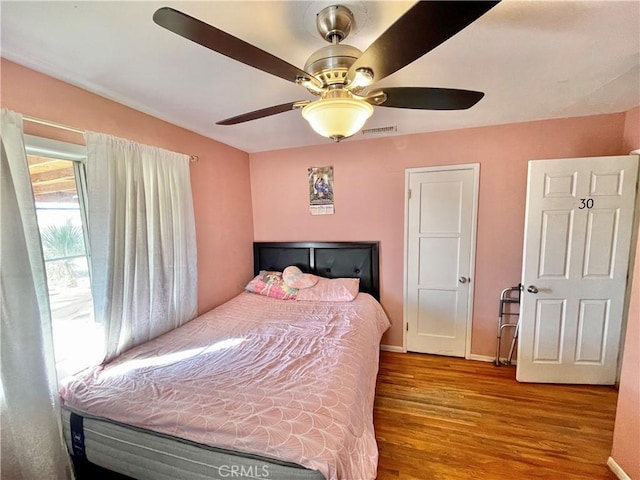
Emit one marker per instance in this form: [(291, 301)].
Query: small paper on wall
[(321, 190)]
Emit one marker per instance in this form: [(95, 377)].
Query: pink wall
[(369, 198), (631, 139), (222, 208), (626, 435)]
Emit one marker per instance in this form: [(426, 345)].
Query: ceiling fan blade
[(228, 45), (264, 112), (425, 98), (421, 29)]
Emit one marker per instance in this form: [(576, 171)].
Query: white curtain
[(142, 240), (32, 445)]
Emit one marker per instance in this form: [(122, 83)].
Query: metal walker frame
[(509, 297)]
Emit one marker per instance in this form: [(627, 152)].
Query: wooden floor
[(442, 418)]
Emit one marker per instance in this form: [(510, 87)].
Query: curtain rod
[(47, 123), (52, 124)]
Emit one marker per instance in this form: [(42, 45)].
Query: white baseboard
[(617, 469), (485, 358), (473, 356), (480, 358), (393, 348)]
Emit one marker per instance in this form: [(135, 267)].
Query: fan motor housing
[(331, 63)]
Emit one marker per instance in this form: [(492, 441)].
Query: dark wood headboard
[(325, 259)]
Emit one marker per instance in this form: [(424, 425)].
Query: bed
[(257, 388)]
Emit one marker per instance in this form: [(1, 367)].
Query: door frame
[(475, 167)]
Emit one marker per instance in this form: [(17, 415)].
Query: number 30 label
[(586, 203)]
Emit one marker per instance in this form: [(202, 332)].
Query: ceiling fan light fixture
[(340, 73), (337, 118)]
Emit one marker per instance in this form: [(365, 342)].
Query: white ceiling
[(533, 59)]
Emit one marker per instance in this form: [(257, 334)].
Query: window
[(58, 178)]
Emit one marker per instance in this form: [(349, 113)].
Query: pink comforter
[(284, 379)]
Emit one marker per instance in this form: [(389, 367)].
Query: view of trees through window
[(60, 220)]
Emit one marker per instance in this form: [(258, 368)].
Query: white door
[(578, 227), (441, 218)]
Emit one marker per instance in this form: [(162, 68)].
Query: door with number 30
[(578, 230)]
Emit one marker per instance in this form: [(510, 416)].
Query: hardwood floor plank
[(443, 418)]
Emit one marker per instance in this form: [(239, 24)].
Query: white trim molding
[(473, 356), (617, 469), (393, 348), (480, 358)]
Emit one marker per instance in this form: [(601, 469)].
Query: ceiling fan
[(340, 74)]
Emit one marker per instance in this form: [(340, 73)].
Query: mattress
[(286, 382), (147, 455)]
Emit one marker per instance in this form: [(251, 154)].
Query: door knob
[(532, 289), (464, 279)]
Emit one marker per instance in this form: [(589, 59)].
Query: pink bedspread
[(284, 379)]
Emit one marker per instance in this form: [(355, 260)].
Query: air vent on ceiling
[(380, 130)]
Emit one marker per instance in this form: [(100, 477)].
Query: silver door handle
[(464, 279), (532, 289)]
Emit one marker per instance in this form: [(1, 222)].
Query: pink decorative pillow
[(296, 278), (331, 290), (271, 284)]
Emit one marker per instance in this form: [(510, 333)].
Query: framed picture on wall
[(321, 190)]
